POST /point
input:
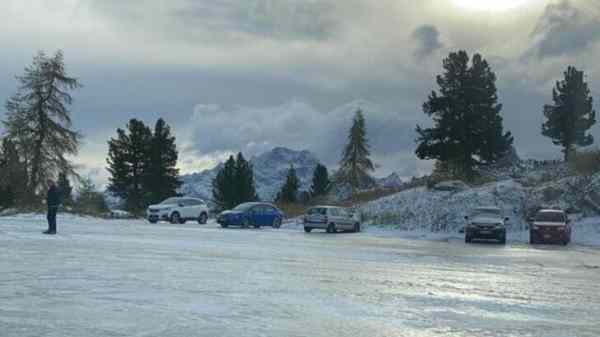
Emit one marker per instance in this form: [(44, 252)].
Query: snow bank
[(422, 209)]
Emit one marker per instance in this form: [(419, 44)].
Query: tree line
[(467, 132)]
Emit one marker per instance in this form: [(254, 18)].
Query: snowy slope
[(270, 170), (422, 209)]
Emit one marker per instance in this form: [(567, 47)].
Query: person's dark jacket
[(53, 197)]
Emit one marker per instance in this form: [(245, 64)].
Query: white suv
[(179, 210)]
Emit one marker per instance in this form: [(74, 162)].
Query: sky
[(250, 75)]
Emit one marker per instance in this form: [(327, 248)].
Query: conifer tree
[(161, 175), (244, 178), (356, 165), (127, 161), (572, 114), (13, 175), (39, 122), (320, 181), (467, 129), (65, 188), (289, 190), (224, 186), (89, 200), (234, 183)]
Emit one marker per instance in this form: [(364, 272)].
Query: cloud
[(427, 38), (565, 29), (298, 125)]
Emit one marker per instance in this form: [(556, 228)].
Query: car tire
[(502, 240), (307, 229), (175, 218), (245, 223), (152, 221), (203, 219), (224, 225), (468, 239), (276, 223), (331, 228), (256, 226), (356, 228)]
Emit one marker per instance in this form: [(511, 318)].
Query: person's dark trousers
[(52, 219)]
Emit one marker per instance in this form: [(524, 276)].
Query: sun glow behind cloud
[(490, 5)]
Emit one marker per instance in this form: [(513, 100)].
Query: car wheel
[(245, 223), (202, 219), (307, 229), (257, 226), (468, 239), (503, 240), (175, 218), (152, 221), (331, 228), (356, 228), (277, 223), (224, 225)]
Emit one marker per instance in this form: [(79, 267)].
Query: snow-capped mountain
[(270, 171)]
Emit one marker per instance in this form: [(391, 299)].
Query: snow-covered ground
[(130, 278)]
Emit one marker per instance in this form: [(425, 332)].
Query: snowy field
[(129, 278)]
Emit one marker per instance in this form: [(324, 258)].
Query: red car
[(550, 226)]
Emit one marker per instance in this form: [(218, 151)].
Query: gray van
[(330, 218)]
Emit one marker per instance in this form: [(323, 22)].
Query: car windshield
[(550, 217), (317, 211), (243, 207), (486, 213), (170, 201)]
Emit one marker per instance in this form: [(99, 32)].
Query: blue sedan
[(255, 214)]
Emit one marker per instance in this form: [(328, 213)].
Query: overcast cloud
[(249, 75)]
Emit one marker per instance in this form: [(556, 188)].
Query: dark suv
[(486, 223), (550, 226)]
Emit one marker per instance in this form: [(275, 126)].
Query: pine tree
[(65, 188), (234, 183), (572, 115), (244, 178), (355, 165), (127, 160), (89, 200), (289, 190), (13, 174), (39, 122), (320, 181), (467, 129), (224, 186), (161, 175)]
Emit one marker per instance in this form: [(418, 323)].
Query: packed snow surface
[(129, 278)]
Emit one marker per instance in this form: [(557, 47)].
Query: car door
[(255, 215), (195, 208), (185, 208), (334, 216), (348, 224), (270, 215)]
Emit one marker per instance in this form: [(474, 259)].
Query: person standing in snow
[(52, 201)]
